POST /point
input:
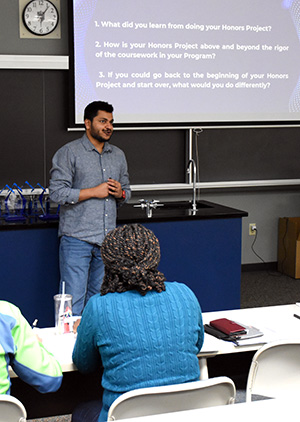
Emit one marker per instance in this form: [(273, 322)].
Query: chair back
[(11, 409), (173, 398), (275, 371)]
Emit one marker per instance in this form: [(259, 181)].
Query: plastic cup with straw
[(63, 310)]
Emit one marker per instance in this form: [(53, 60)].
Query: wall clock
[(40, 17)]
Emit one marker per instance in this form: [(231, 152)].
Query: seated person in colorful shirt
[(21, 349)]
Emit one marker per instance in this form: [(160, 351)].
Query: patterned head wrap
[(131, 254)]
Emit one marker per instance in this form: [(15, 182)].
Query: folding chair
[(172, 398), (275, 370), (11, 409)]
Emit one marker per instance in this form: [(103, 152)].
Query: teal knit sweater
[(143, 341)]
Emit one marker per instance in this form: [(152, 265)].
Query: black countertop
[(130, 213), (176, 211), (28, 223)]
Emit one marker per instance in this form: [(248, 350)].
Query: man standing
[(89, 179)]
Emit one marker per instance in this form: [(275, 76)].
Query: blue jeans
[(87, 412), (92, 411), (82, 270)]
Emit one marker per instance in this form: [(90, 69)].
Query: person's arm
[(100, 191), (201, 329), (61, 183), (31, 361), (195, 308), (86, 354), (61, 189)]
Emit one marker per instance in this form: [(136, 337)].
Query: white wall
[(264, 208)]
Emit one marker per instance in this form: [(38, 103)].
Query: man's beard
[(99, 137)]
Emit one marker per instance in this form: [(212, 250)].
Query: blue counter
[(30, 270), (201, 250)]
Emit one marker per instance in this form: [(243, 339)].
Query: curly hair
[(131, 254)]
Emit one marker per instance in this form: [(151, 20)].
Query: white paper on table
[(60, 345)]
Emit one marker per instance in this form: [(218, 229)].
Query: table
[(61, 346), (275, 410), (276, 322)]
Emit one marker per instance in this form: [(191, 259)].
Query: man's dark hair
[(91, 110)]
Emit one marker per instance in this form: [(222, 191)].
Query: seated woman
[(146, 331)]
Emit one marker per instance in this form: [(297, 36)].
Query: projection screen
[(188, 63)]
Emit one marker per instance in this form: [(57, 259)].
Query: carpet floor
[(62, 418)]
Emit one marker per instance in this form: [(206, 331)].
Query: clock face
[(40, 17)]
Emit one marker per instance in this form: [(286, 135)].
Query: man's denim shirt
[(78, 165)]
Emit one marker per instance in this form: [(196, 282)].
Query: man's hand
[(100, 191), (111, 187), (114, 188)]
